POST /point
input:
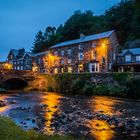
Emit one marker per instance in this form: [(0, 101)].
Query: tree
[(39, 43)]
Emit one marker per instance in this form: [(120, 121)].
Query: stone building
[(22, 60), (129, 60), (93, 53)]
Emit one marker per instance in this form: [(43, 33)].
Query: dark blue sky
[(20, 20)]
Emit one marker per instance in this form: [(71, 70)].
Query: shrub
[(88, 89), (101, 90), (77, 86), (122, 78), (117, 91), (133, 87)]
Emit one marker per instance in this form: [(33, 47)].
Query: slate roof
[(15, 52), (84, 39), (134, 51), (38, 54)]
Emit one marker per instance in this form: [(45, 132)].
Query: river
[(95, 117)]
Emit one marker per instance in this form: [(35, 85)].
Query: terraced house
[(129, 60), (93, 53), (23, 60)]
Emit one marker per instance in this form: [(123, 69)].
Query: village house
[(129, 60), (22, 60), (93, 53)]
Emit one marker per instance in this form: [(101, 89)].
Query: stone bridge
[(25, 76)]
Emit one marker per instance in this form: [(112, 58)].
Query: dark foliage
[(124, 18)]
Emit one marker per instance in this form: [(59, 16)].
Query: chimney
[(82, 36)]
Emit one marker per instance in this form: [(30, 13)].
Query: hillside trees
[(124, 18)]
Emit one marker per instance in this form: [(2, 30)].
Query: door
[(94, 67)]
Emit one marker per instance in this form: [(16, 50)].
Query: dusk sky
[(20, 20)]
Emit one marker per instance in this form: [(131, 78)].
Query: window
[(62, 70), (138, 58), (94, 67), (62, 61), (56, 53), (114, 55), (94, 44), (80, 56), (69, 69), (56, 70), (69, 61), (80, 47), (128, 58), (94, 55), (80, 68), (62, 52), (69, 52)]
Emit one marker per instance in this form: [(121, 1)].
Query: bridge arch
[(13, 83)]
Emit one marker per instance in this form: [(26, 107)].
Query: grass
[(10, 131)]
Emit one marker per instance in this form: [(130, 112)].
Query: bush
[(88, 89), (77, 86), (122, 78), (133, 87), (101, 90), (117, 91)]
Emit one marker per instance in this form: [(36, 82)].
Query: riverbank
[(108, 84), (10, 131)]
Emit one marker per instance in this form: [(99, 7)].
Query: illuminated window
[(128, 58), (69, 69), (62, 52), (69, 61), (80, 56), (80, 68), (138, 58), (62, 70), (56, 70)]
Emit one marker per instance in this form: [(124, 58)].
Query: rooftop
[(134, 51), (84, 39)]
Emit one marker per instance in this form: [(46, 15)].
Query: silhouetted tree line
[(124, 18)]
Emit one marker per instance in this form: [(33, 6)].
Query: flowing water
[(79, 115)]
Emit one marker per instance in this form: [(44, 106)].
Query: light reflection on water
[(100, 129), (52, 101), (3, 109)]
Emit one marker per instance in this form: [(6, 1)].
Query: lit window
[(56, 70), (69, 69), (138, 58), (69, 52), (56, 53), (62, 70), (62, 61), (80, 68), (80, 56), (62, 52), (128, 58), (69, 61)]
